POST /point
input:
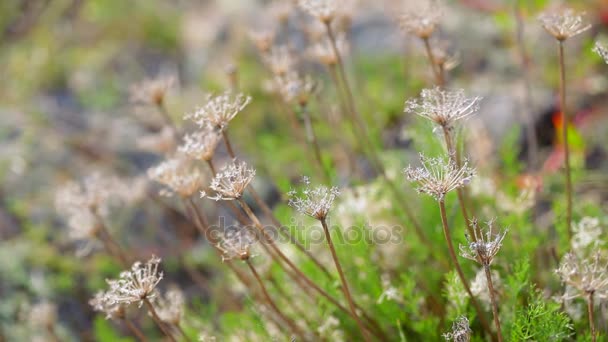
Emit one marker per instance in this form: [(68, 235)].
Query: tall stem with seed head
[(158, 321), (345, 288), (135, 330), (590, 314), (439, 76), (565, 119), (486, 269)]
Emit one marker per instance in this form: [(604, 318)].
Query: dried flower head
[(295, 88), (602, 51), (443, 107), (314, 202), (160, 142), (178, 175), (237, 243), (421, 18), (170, 307), (135, 285), (201, 144), (102, 302), (461, 332), (151, 91), (323, 51), (324, 10), (563, 24), (43, 314), (584, 276), (438, 176), (586, 235), (231, 181), (484, 247), (219, 110), (280, 60)]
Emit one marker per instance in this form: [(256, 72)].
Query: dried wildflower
[(231, 181), (280, 60), (584, 276), (151, 91), (461, 332), (602, 51), (219, 110), (324, 10), (43, 314), (484, 247), (170, 307), (586, 234), (314, 202), (201, 145), (443, 107), (178, 175), (262, 39), (101, 302), (323, 52), (136, 285), (421, 19), (563, 25), (295, 88), (160, 142), (438, 176), (237, 243)]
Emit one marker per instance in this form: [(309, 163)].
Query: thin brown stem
[(111, 246), (565, 119), (590, 314), (135, 330), (292, 325), (463, 279), (228, 144), (486, 268), (345, 288), (433, 61), (182, 332), (311, 137), (157, 320)]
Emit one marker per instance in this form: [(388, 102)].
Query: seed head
[(219, 110), (295, 88), (231, 181), (280, 60), (135, 285), (484, 247), (201, 145), (461, 332), (314, 202), (421, 19), (178, 175), (170, 307), (443, 107), (602, 51), (151, 91), (584, 276), (564, 24), (102, 303), (438, 176), (324, 10), (237, 243)]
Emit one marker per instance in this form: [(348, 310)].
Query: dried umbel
[(219, 110), (443, 107), (486, 244), (201, 144), (280, 60), (151, 91), (421, 18), (136, 285), (295, 88), (101, 302), (324, 10), (231, 181), (323, 52), (237, 243), (178, 175), (602, 51), (586, 235), (563, 24), (584, 276), (315, 202), (438, 176), (461, 332), (170, 307)]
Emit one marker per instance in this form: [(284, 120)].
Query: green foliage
[(105, 332), (540, 320)]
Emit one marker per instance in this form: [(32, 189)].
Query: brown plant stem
[(590, 314), (345, 288), (51, 330), (565, 119), (292, 325), (486, 269), (311, 137), (439, 79), (158, 321), (463, 279), (135, 330), (111, 246)]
